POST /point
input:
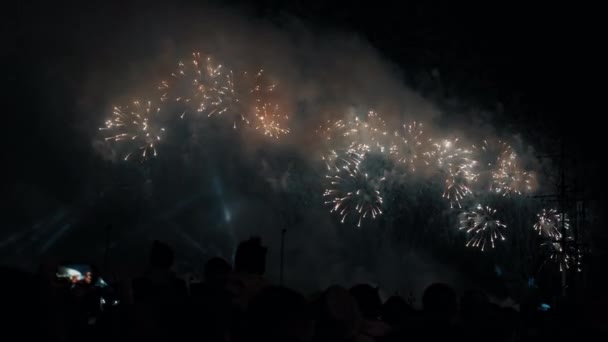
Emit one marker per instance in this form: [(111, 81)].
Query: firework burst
[(447, 153), (564, 259), (549, 223), (351, 191), (136, 126), (411, 147), (327, 131), (334, 161), (269, 120), (510, 179), (457, 165), (490, 153), (200, 84), (206, 87), (250, 98), (359, 135), (498, 164), (482, 227), (368, 135), (456, 187)]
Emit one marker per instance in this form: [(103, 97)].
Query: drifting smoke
[(211, 185)]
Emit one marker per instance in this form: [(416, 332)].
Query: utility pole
[(106, 252), (283, 231), (562, 210), (570, 245)]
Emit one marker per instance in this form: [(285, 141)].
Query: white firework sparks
[(211, 89), (499, 165), (359, 135), (564, 259), (456, 187), (549, 223), (510, 179), (411, 147), (482, 227), (199, 83), (269, 120), (458, 166), (351, 191), (135, 126)]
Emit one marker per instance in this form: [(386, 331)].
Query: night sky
[(502, 67)]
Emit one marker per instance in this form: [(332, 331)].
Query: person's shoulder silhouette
[(250, 257), (279, 314)]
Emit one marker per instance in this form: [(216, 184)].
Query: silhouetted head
[(439, 302), (18, 298), (338, 316), (368, 300), (474, 304), (251, 257), (161, 255), (216, 269), (396, 310), (279, 314)]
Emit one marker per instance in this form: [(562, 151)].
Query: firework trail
[(368, 135), (411, 147), (457, 165), (268, 120), (334, 160), (327, 131), (489, 154), (482, 227), (137, 127), (249, 98), (559, 241), (456, 187), (203, 86), (565, 260), (549, 224), (510, 179), (199, 84), (447, 153), (351, 191), (359, 135), (498, 164)]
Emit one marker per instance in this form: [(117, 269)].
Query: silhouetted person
[(337, 317), (370, 305), (440, 307), (159, 297), (368, 299), (250, 257), (279, 314), (249, 268), (398, 313), (211, 300), (508, 324), (246, 281), (53, 294), (18, 305), (216, 272), (474, 309), (86, 304)]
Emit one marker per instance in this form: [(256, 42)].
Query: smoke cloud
[(212, 186)]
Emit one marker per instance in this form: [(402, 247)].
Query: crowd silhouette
[(237, 304)]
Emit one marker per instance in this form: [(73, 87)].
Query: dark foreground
[(236, 304)]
